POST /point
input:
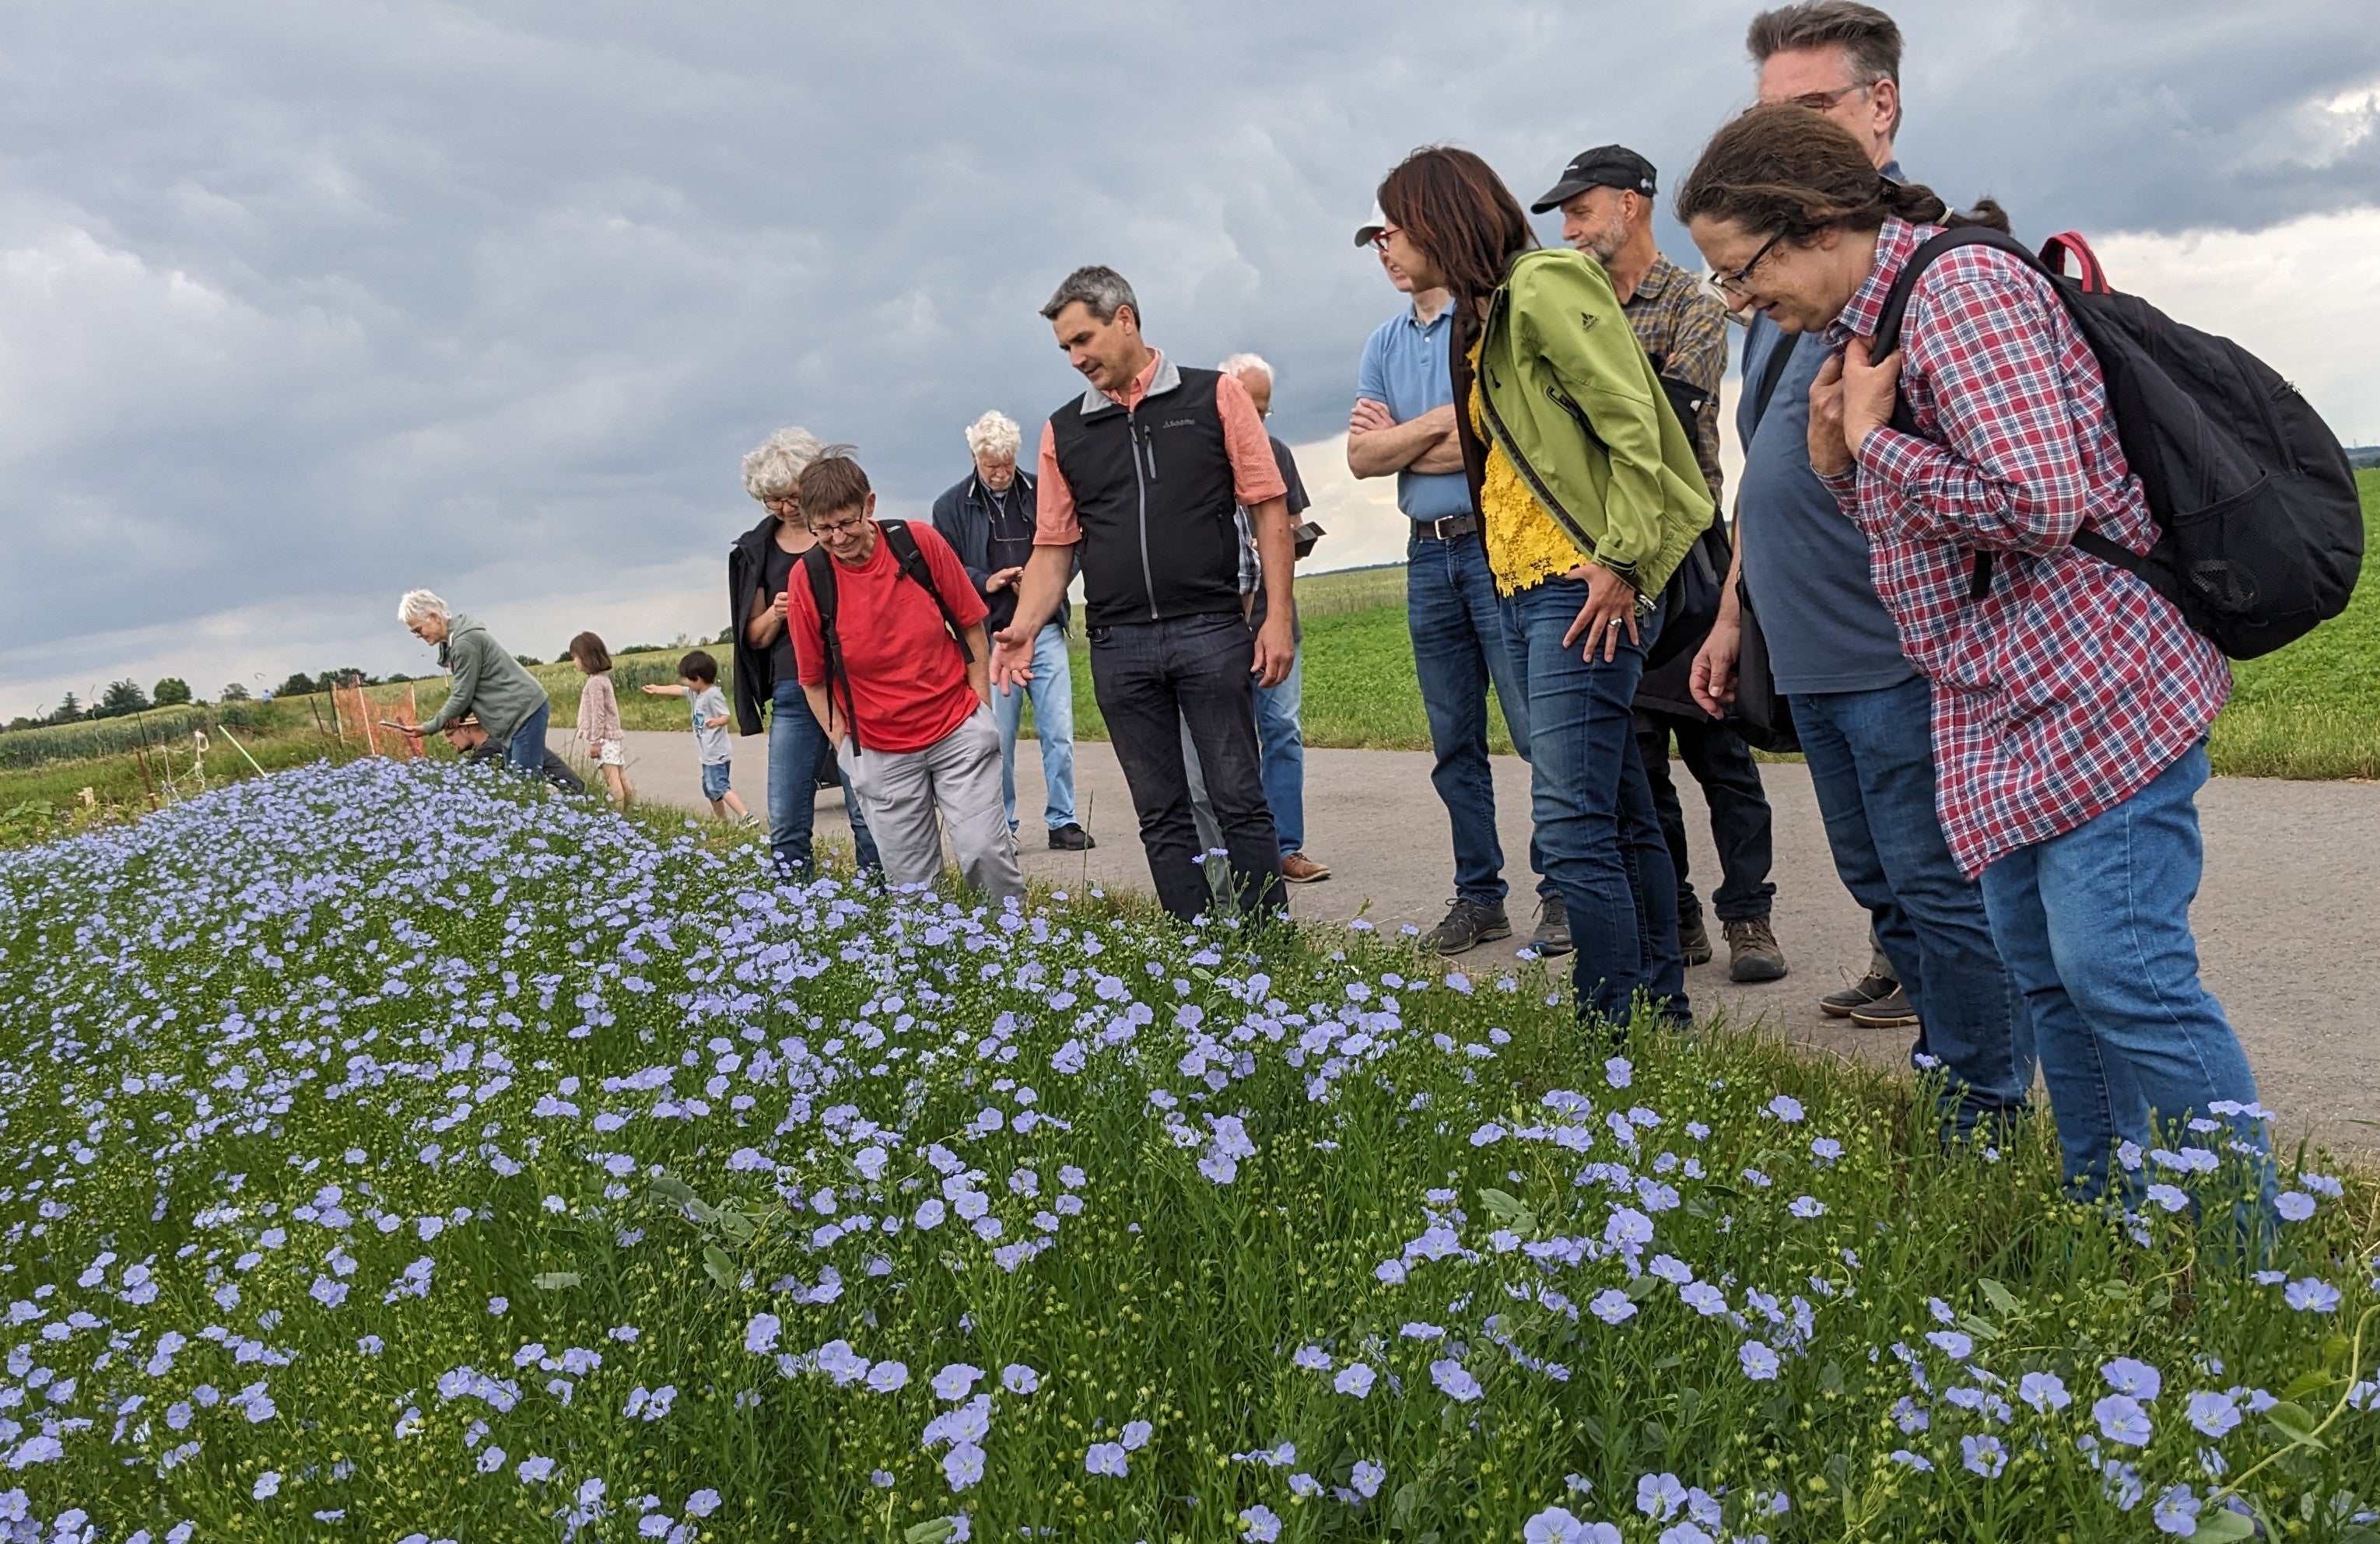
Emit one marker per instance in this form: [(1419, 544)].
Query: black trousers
[(1740, 826), (1150, 680)]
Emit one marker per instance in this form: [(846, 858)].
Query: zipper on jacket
[(1140, 490)]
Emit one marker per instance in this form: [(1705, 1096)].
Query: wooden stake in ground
[(364, 712)]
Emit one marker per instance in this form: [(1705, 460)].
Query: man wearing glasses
[(1863, 713), (1403, 426)]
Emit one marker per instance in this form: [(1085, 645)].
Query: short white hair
[(1245, 363), (421, 606), (774, 470), (994, 434)]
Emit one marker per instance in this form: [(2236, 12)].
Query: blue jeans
[(526, 750), (798, 756), (1597, 829), (1281, 744), (1871, 757), (1053, 693), (1152, 679), (1460, 648), (2095, 925)]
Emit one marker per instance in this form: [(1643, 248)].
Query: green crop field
[(405, 1154)]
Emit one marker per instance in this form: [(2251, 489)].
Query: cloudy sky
[(302, 304)]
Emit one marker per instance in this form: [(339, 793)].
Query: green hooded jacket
[(486, 681), (1572, 400)]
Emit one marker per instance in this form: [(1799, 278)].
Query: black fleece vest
[(1153, 491)]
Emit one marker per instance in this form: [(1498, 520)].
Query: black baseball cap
[(1603, 166)]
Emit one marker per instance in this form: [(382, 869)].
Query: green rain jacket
[(1572, 400), (486, 681)]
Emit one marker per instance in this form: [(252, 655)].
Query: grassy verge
[(448, 1161)]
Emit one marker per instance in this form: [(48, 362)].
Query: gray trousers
[(913, 798)]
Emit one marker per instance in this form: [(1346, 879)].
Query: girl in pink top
[(599, 717)]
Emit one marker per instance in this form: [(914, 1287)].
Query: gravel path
[(2288, 944)]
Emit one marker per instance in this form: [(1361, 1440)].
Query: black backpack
[(2260, 532), (817, 566)]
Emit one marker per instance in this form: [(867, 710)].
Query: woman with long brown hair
[(2070, 701), (1589, 497)]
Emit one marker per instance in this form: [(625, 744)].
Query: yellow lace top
[(1524, 546)]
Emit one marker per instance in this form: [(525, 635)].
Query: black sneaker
[(1467, 924), (1070, 837), (1552, 938), (1751, 951), (1873, 987), (1886, 1013), (1693, 941)]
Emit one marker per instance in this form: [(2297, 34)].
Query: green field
[(405, 1156), (2311, 710)]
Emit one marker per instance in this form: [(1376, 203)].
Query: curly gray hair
[(994, 434), (774, 470), (419, 606)]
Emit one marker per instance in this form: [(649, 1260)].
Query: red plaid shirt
[(2073, 683)]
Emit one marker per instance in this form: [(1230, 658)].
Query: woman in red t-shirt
[(908, 710)]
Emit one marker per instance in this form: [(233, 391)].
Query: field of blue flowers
[(402, 1154)]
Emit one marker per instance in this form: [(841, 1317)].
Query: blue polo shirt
[(1405, 365), (1805, 562)]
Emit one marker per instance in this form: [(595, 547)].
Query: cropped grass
[(406, 1154)]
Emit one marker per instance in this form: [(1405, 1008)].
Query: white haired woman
[(759, 566), (988, 518), (487, 681)]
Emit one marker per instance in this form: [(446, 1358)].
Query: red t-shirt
[(908, 681)]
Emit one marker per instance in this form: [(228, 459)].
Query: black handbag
[(1760, 714), (1690, 600)]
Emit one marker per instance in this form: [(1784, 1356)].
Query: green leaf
[(2294, 1423), (735, 1225), (2220, 1525), (1643, 1287), (555, 1281), (2359, 1534), (2305, 1385), (669, 1189), (1408, 1501), (1509, 1209), (1830, 1378), (938, 1531), (1982, 1329), (2119, 1290), (701, 1211), (716, 1265), (2002, 1300)]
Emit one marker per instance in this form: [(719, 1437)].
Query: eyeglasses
[(836, 527), (1824, 102), (1380, 236), (1734, 284)]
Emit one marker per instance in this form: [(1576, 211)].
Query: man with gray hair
[(1139, 476), (1863, 713), (1280, 739), (486, 681), (987, 516)]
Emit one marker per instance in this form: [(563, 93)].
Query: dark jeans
[(1594, 809), (2095, 927), (1150, 679), (1460, 648), (1871, 757), (1722, 764), (526, 750), (799, 757)]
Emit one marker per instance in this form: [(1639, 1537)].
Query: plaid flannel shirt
[(1683, 329), (2069, 687)]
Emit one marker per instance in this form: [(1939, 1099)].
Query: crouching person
[(889, 638)]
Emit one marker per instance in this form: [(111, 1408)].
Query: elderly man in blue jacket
[(987, 519)]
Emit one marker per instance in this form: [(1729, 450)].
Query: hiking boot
[(1873, 987), (1891, 1012), (1070, 837), (1693, 941), (1467, 924), (1299, 869), (1751, 951), (1552, 937)]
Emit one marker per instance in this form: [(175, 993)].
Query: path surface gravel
[(2287, 922)]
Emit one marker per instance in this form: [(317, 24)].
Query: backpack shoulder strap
[(913, 564), (1780, 355), (818, 569), (1896, 300)]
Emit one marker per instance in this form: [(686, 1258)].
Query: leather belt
[(1449, 529)]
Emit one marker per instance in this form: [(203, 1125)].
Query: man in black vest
[(1142, 473)]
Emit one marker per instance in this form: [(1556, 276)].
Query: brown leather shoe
[(1299, 869)]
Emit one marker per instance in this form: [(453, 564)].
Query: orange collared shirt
[(1255, 477)]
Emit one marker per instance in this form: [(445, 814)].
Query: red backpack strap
[(2087, 272)]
